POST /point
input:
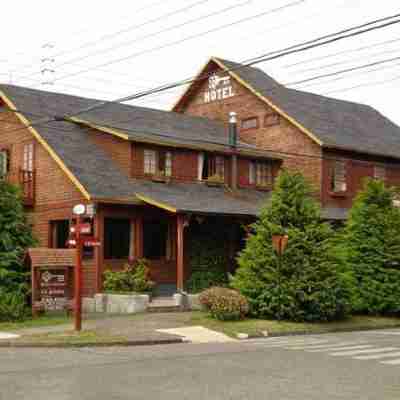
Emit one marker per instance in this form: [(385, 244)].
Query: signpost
[(78, 240), (53, 288)]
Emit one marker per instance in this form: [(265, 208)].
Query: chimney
[(233, 144)]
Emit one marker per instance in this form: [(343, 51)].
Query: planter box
[(121, 303), (188, 301)]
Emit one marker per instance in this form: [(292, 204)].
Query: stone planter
[(121, 303), (188, 301)]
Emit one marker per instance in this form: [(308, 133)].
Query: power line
[(334, 37)]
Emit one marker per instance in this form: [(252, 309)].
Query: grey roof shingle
[(336, 123)]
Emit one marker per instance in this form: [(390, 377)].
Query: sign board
[(91, 242), (219, 88), (85, 229), (53, 288)]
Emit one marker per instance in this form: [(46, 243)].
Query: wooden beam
[(180, 227)]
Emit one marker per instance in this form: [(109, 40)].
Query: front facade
[(166, 183)]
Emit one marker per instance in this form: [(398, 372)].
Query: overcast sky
[(110, 49)]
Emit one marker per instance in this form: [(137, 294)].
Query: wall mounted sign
[(219, 88), (53, 288)]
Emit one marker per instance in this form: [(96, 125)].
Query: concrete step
[(163, 304), (163, 309)]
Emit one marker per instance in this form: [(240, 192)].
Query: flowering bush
[(134, 277), (224, 304)]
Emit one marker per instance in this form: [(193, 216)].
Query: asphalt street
[(358, 365)]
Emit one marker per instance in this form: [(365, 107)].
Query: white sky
[(110, 49)]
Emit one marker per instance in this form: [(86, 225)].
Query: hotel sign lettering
[(53, 289), (219, 88)]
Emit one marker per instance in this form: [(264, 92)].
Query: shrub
[(372, 249), (13, 306), (308, 282), (201, 280), (224, 304), (133, 278)]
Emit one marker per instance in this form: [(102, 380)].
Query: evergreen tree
[(306, 283), (15, 238), (372, 249)]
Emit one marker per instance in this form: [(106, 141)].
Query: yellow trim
[(52, 153), (155, 203), (100, 128), (273, 106)]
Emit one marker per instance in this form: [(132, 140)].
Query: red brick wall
[(283, 137)]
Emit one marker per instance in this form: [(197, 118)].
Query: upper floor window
[(249, 123), (338, 177), (379, 172), (211, 167), (157, 162), (271, 119), (4, 162), (28, 157), (260, 173)]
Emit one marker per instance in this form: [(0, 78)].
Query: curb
[(300, 333), (126, 343)]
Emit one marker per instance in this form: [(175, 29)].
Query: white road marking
[(323, 347), (342, 348), (369, 351), (266, 343), (378, 356), (383, 332), (391, 362)]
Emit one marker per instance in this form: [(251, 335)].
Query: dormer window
[(260, 173), (157, 162), (211, 167)]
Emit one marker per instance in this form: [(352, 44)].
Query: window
[(150, 162), (211, 166), (158, 162), (379, 172), (59, 231), (155, 234), (271, 119), (117, 238), (4, 163), (260, 173), (338, 177), (28, 157), (250, 123)]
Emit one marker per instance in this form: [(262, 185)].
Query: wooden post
[(180, 226), (139, 237), (99, 251)]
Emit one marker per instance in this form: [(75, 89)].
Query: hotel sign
[(219, 88)]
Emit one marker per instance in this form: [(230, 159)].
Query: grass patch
[(71, 337), (257, 326), (45, 320)]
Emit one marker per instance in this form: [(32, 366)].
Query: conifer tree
[(307, 283), (372, 249)]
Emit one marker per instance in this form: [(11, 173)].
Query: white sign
[(220, 88)]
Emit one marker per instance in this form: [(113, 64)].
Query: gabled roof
[(330, 122), (95, 173)]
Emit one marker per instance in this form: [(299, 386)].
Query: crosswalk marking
[(378, 356), (369, 351), (323, 347), (342, 348), (392, 362)]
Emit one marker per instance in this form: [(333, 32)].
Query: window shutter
[(4, 163), (200, 166)]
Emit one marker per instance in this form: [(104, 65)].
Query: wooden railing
[(26, 180)]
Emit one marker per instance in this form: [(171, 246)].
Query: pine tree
[(307, 283), (372, 249), (15, 238)]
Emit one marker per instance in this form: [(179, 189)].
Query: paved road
[(363, 365)]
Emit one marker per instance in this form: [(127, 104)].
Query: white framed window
[(249, 123), (28, 157), (150, 161), (4, 163), (167, 167), (379, 172), (338, 177), (260, 173), (210, 165)]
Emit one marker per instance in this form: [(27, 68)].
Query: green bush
[(201, 280), (133, 278), (372, 249), (224, 304), (309, 282), (13, 306)]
